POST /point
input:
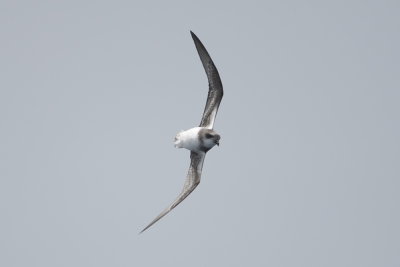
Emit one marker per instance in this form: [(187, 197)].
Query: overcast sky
[(92, 94)]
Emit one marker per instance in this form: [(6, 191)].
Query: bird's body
[(199, 140), (188, 139)]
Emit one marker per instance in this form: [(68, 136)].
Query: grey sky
[(93, 92)]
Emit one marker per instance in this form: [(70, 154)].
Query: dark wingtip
[(147, 227), (194, 36)]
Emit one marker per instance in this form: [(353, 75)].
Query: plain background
[(92, 94)]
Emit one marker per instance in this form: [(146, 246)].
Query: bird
[(198, 140)]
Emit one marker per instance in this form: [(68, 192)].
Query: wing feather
[(191, 182), (215, 90)]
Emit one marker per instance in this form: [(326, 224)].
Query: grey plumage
[(191, 182), (215, 91)]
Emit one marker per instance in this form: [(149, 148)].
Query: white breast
[(188, 139)]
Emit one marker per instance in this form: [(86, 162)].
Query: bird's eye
[(209, 135)]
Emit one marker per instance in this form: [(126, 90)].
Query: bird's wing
[(192, 180), (215, 91)]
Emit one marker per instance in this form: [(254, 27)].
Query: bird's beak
[(217, 142)]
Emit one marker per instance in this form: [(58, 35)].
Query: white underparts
[(188, 139)]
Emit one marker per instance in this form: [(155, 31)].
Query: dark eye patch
[(209, 135)]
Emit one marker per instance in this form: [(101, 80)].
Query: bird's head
[(210, 138)]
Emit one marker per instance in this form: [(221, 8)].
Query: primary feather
[(215, 90)]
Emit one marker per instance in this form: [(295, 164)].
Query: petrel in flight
[(199, 140)]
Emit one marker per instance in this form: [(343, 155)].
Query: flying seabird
[(199, 140)]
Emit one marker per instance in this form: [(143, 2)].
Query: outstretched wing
[(215, 91), (192, 180)]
